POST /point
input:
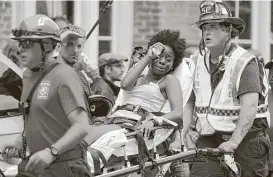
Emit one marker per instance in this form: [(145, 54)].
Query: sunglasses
[(26, 44)]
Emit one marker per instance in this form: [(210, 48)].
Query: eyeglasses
[(73, 46), (29, 43), (26, 44)]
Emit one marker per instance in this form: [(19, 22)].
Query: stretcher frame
[(225, 158), (194, 155)]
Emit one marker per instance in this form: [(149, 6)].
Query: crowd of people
[(219, 97)]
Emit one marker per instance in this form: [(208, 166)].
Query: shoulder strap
[(160, 80), (87, 92), (39, 80)]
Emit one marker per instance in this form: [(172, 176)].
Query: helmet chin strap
[(42, 64), (227, 41)]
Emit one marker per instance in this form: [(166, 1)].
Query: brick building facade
[(5, 20), (152, 16), (132, 23)]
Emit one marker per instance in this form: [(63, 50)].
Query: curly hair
[(171, 38)]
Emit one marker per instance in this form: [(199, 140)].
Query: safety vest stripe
[(226, 112)]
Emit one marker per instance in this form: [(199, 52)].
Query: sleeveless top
[(148, 96)]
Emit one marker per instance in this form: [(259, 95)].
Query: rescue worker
[(57, 119), (229, 102)]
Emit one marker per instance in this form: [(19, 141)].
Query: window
[(105, 31), (242, 9), (56, 9)]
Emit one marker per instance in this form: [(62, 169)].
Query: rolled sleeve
[(250, 79)]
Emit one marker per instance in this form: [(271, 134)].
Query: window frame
[(108, 38), (237, 40)]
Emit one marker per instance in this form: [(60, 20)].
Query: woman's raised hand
[(155, 50)]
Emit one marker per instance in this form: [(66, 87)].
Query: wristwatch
[(54, 151)]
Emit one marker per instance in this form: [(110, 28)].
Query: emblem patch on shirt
[(43, 90)]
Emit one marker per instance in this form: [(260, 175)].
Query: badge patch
[(43, 90)]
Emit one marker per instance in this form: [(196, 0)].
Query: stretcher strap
[(96, 161), (143, 152), (96, 156)]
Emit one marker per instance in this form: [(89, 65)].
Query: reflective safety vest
[(219, 110)]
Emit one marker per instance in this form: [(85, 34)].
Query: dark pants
[(252, 155), (72, 168), (270, 164)]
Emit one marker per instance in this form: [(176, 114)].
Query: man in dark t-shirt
[(57, 120), (70, 50)]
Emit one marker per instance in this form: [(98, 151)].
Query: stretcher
[(194, 156), (162, 161)]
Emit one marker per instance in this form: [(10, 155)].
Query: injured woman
[(146, 94), (145, 97)]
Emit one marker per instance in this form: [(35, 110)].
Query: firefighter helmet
[(211, 11)]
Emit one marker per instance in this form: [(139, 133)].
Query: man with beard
[(70, 52), (111, 69)]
